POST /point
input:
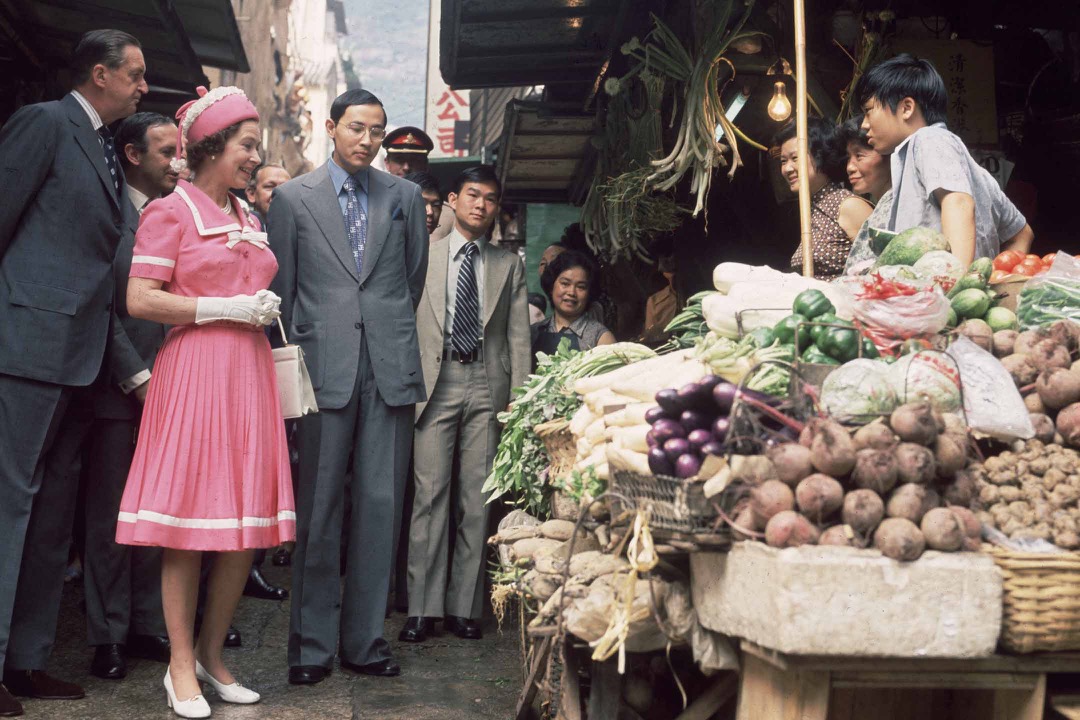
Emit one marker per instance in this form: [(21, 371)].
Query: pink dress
[(211, 467)]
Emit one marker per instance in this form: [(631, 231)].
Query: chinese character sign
[(968, 72), (447, 117)]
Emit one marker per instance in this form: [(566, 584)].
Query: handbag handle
[(281, 327)]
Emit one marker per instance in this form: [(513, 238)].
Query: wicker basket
[(677, 506), (562, 452), (1041, 600)]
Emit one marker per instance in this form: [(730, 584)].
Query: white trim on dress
[(205, 523), (151, 260)]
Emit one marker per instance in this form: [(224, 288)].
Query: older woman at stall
[(869, 176), (571, 282), (836, 213)]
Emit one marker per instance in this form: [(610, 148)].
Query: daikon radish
[(581, 420), (727, 274), (629, 416), (620, 459), (633, 438), (588, 385), (584, 447), (595, 432), (603, 398), (645, 387), (603, 471)]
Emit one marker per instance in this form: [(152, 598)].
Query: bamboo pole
[(799, 17)]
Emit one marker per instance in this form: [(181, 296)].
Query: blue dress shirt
[(338, 176)]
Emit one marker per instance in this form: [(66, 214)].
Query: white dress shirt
[(457, 243)]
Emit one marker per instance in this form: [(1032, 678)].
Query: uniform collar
[(209, 220), (95, 118), (338, 176)]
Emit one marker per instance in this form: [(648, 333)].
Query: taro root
[(1058, 387), (819, 496), (792, 462), (915, 464), (862, 511), (768, 499), (899, 539), (876, 436), (914, 423), (943, 530), (832, 451), (875, 470), (790, 529)]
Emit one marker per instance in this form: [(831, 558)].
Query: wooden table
[(775, 686)]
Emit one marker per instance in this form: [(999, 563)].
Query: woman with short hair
[(571, 282)]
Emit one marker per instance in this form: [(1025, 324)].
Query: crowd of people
[(895, 167)]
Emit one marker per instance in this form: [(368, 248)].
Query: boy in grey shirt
[(936, 182)]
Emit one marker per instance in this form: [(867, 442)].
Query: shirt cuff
[(135, 381)]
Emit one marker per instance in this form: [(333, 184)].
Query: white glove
[(258, 309)]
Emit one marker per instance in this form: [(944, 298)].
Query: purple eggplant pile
[(688, 424)]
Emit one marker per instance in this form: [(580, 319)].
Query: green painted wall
[(544, 225)]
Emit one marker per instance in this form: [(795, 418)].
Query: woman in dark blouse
[(570, 281)]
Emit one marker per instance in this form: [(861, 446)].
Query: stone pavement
[(442, 679)]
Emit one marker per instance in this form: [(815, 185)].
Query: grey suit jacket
[(507, 357), (141, 337), (327, 308), (60, 223)]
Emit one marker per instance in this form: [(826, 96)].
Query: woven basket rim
[(551, 427)]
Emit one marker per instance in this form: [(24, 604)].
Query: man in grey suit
[(61, 219), (123, 583), (352, 245), (474, 342)]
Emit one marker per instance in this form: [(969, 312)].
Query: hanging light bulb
[(779, 105)]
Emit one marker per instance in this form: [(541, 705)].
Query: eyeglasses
[(357, 130)]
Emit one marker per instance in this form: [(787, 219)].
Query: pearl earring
[(213, 157)]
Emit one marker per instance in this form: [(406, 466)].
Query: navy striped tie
[(465, 334)]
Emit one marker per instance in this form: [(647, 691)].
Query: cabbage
[(858, 391), (930, 376), (939, 263)]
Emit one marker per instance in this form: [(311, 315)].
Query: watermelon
[(970, 303), (910, 245)]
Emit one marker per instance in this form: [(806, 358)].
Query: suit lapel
[(495, 276), (435, 290), (321, 201), (379, 219), (88, 141)]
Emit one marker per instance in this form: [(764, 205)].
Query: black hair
[(821, 138), (99, 47), (210, 145), (132, 131), (483, 174), (905, 75), (353, 97), (539, 301), (565, 261), (254, 179), (851, 132), (425, 180)]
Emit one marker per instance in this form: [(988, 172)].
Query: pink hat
[(212, 112)]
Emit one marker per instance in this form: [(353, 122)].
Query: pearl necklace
[(227, 207)]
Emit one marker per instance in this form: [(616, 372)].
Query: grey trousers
[(123, 583), (459, 415), (42, 427), (371, 439)]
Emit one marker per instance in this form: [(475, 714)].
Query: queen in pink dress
[(211, 467)]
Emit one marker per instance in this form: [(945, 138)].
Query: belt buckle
[(468, 358)]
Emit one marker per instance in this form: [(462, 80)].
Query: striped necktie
[(465, 334), (109, 149)]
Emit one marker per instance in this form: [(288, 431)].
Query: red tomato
[(1028, 270), (1032, 256), (1037, 264), (997, 276), (1008, 260), (1049, 258)]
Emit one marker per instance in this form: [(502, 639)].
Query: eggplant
[(664, 430), (659, 463), (724, 396), (694, 396), (698, 438), (650, 439), (694, 419), (676, 447), (687, 466), (657, 413), (720, 429), (710, 381), (669, 401), (712, 448)]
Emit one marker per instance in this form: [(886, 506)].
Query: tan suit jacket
[(507, 360)]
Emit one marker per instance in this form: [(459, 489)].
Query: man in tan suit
[(473, 326)]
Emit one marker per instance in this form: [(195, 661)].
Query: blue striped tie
[(355, 222), (465, 334)]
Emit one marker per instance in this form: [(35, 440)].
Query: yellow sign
[(968, 72)]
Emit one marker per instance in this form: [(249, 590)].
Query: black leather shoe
[(258, 587), (382, 668), (281, 557), (37, 684), (148, 647), (108, 662), (417, 629), (464, 628), (9, 706), (307, 674), (232, 637)]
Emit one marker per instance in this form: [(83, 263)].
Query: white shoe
[(195, 707), (234, 693)]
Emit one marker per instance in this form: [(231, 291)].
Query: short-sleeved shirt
[(584, 332), (828, 239), (933, 159), (862, 256)]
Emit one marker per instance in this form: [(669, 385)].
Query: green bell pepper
[(793, 325), (811, 303), (830, 319), (814, 356), (869, 349), (840, 343), (763, 337)]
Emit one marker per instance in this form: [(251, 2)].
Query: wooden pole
[(799, 17)]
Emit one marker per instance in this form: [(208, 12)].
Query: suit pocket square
[(397, 214)]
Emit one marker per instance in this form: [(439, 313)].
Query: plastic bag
[(992, 403), (890, 321), (927, 375), (858, 392), (1053, 296)]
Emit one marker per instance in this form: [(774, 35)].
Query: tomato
[(1049, 258), (1032, 256), (1028, 270), (1008, 260), (997, 276)]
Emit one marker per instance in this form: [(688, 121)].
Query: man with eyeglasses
[(352, 246)]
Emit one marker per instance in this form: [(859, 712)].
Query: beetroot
[(839, 535), (792, 462), (768, 499), (943, 530), (950, 456), (1044, 427), (961, 491), (914, 423), (899, 539), (790, 529), (1068, 424), (819, 496), (863, 510), (915, 464), (832, 451), (1058, 387), (1048, 354), (911, 502), (875, 470), (876, 436)]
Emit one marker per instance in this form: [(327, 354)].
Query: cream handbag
[(294, 384)]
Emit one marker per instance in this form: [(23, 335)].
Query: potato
[(819, 496), (899, 539), (943, 530), (1034, 404), (790, 529)]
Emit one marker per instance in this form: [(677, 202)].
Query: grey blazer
[(327, 307), (507, 344), (60, 224)]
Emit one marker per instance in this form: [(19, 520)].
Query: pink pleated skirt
[(211, 467)]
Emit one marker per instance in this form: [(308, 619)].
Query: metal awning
[(215, 36), (542, 152), (501, 43)]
